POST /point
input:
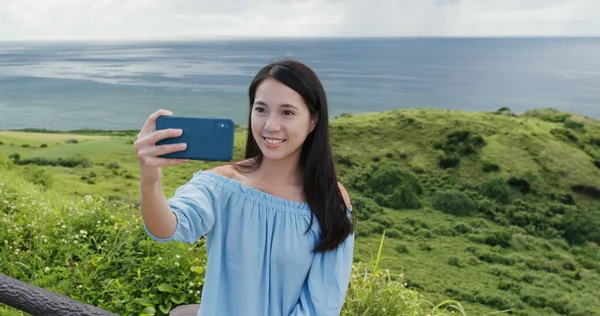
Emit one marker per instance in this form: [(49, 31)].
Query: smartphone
[(207, 138)]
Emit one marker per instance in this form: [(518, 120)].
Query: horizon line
[(246, 38)]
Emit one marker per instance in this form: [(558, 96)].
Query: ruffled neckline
[(237, 186)]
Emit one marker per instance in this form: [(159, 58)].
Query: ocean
[(116, 85)]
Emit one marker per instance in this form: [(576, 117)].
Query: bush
[(461, 142), (499, 238), (70, 162), (15, 157), (587, 190), (453, 202), (575, 125), (564, 134), (449, 161), (490, 167), (523, 185), (38, 176), (582, 225), (365, 208), (113, 165), (390, 186), (496, 189)]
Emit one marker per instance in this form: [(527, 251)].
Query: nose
[(272, 124)]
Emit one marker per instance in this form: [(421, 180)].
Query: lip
[(272, 145)]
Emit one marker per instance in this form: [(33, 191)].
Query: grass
[(497, 211), (97, 252)]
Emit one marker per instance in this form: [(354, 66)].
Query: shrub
[(574, 125), (564, 134), (390, 186), (587, 190), (454, 261), (365, 208), (15, 157), (113, 165), (43, 145), (491, 257), (499, 238), (496, 189), (72, 141), (597, 163), (401, 248), (38, 176), (401, 198), (461, 142), (70, 162), (462, 229), (582, 225), (449, 161), (523, 185), (453, 202), (385, 179), (490, 167)]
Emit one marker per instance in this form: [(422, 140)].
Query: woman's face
[(280, 120)]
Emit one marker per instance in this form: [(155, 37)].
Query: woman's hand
[(147, 151)]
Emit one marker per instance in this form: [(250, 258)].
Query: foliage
[(496, 211)]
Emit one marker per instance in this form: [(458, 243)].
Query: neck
[(286, 171)]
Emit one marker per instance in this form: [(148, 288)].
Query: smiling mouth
[(273, 141)]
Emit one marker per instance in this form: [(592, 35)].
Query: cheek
[(257, 125)]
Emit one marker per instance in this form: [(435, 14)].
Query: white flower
[(46, 269)]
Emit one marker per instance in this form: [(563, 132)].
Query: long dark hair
[(316, 160)]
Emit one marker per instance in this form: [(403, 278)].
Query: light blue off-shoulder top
[(259, 259)]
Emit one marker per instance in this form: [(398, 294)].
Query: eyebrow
[(284, 105)]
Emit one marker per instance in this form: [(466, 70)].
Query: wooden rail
[(37, 301)]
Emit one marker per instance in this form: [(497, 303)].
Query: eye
[(288, 112), (259, 109)]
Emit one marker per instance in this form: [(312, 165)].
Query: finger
[(161, 162), (159, 135), (152, 138), (151, 121), (165, 149)]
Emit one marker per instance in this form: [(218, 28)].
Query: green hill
[(496, 210)]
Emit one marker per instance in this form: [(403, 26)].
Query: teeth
[(273, 141)]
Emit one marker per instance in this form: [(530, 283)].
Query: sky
[(197, 19)]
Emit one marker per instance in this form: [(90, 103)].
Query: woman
[(280, 238)]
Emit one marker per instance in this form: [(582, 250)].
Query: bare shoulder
[(345, 195), (225, 170)]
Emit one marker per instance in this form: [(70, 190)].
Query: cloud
[(158, 19)]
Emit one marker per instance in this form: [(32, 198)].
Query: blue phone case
[(209, 139)]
